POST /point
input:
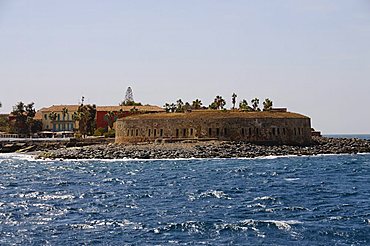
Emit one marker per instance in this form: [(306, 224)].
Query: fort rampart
[(255, 127)]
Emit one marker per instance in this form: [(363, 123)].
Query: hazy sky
[(312, 56)]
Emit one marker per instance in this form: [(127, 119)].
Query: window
[(149, 132), (137, 132), (155, 132), (45, 116), (243, 132), (191, 131), (225, 131), (161, 132), (217, 131), (47, 126), (128, 133), (284, 131), (295, 131), (184, 132), (278, 131), (58, 117), (256, 131), (273, 131), (177, 133), (132, 132), (250, 131), (210, 132)]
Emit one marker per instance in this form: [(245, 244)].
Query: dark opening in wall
[(191, 131), (210, 132), (128, 133), (299, 131), (161, 132), (225, 132), (177, 133), (149, 132), (257, 131), (250, 131), (218, 131), (137, 132), (155, 132), (284, 131), (295, 131), (273, 131), (243, 132), (278, 131), (132, 132), (184, 132)]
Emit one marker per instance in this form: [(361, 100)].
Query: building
[(255, 127), (64, 121), (122, 111)]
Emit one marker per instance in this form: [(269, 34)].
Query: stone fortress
[(276, 127)]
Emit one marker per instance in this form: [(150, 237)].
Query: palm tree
[(197, 104), (110, 117), (180, 106), (64, 112), (234, 96), (53, 117), (255, 104), (220, 102), (267, 105), (243, 106)]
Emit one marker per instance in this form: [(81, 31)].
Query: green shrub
[(110, 134), (100, 131)]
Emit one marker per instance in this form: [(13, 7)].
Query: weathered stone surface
[(255, 127)]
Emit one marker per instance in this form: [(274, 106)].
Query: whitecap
[(292, 179)]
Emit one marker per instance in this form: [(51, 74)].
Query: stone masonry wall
[(290, 131)]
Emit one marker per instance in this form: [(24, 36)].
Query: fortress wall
[(294, 131)]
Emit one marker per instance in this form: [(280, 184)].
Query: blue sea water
[(320, 200)]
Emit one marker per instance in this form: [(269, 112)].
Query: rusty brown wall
[(293, 131)]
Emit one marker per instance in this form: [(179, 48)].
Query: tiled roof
[(74, 108), (146, 108)]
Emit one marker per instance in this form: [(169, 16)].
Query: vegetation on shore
[(218, 103)]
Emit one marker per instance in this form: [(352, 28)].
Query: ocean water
[(320, 200)]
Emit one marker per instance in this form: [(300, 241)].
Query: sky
[(311, 56)]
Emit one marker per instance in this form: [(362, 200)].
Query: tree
[(234, 96), (179, 106), (129, 99), (218, 103), (267, 105), (64, 112), (197, 104), (255, 104), (110, 117), (53, 117), (23, 115), (86, 115), (187, 107), (243, 105)]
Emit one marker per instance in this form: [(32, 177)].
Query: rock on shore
[(212, 149)]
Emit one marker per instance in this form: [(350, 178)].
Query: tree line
[(219, 103)]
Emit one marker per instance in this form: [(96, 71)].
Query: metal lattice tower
[(129, 95)]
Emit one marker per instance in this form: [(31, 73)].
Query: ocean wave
[(107, 223), (209, 194)]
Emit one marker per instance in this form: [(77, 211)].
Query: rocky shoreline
[(212, 149)]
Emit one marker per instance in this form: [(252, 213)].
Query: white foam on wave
[(30, 157), (292, 179)]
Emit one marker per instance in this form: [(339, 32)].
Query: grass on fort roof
[(221, 114)]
